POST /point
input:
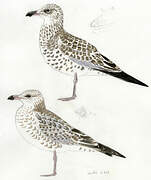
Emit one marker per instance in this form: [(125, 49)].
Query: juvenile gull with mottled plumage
[(69, 54), (46, 130)]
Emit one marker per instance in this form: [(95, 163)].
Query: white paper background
[(116, 113)]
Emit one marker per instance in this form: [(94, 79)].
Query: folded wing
[(83, 53)]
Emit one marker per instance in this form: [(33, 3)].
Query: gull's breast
[(28, 127), (55, 58)]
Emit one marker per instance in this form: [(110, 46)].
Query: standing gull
[(46, 130), (69, 54)]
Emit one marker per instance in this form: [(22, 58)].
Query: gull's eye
[(28, 96), (47, 11)]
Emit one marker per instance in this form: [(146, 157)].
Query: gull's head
[(29, 97), (51, 13)]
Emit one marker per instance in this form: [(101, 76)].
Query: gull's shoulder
[(46, 114)]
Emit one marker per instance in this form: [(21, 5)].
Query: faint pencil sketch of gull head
[(50, 13), (32, 98)]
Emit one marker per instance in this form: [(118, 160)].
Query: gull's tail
[(126, 77)]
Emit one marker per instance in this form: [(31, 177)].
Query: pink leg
[(54, 167), (74, 90)]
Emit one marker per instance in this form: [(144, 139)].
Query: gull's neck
[(39, 106), (49, 36), (50, 30), (36, 106)]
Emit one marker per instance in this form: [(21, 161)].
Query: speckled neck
[(49, 34), (48, 31), (37, 105)]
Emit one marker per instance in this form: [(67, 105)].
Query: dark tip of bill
[(31, 13), (10, 98)]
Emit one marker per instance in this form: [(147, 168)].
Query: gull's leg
[(74, 90), (54, 166)]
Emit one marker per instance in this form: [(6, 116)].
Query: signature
[(94, 172)]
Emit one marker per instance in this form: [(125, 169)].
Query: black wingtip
[(112, 152), (123, 156), (120, 155), (126, 77), (108, 151)]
